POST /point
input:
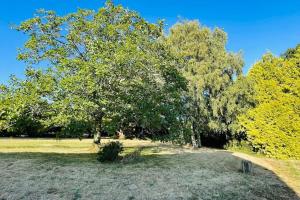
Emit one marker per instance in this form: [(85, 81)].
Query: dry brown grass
[(287, 170), (49, 169)]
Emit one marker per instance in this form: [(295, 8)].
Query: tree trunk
[(97, 134), (199, 139), (194, 142), (193, 137), (196, 136), (195, 129)]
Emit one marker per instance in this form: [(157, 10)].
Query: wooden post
[(246, 166)]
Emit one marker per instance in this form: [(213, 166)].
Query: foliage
[(75, 129), (110, 152), (239, 146), (217, 90), (273, 126), (25, 108), (108, 69), (112, 71)]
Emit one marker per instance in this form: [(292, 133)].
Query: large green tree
[(109, 70), (217, 90), (273, 126), (24, 106)]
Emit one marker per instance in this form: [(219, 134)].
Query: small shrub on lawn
[(110, 152)]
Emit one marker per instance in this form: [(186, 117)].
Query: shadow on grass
[(221, 167), (59, 158)]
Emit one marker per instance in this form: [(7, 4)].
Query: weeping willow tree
[(217, 89)]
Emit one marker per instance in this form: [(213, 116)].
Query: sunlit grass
[(67, 169), (62, 145)]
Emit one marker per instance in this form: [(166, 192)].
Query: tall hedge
[(273, 125)]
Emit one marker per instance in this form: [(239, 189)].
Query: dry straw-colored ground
[(67, 169)]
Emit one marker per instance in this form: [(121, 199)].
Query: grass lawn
[(67, 169)]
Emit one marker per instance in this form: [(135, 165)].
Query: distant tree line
[(112, 72)]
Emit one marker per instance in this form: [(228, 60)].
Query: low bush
[(110, 152), (240, 146)]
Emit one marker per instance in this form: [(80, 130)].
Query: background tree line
[(112, 71)]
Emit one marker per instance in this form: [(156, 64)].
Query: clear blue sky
[(253, 26)]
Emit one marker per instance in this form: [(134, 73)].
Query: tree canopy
[(213, 76), (109, 71), (273, 126)]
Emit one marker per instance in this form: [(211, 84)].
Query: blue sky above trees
[(253, 26)]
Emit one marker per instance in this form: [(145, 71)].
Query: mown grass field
[(68, 169)]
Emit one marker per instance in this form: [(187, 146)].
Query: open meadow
[(68, 169)]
